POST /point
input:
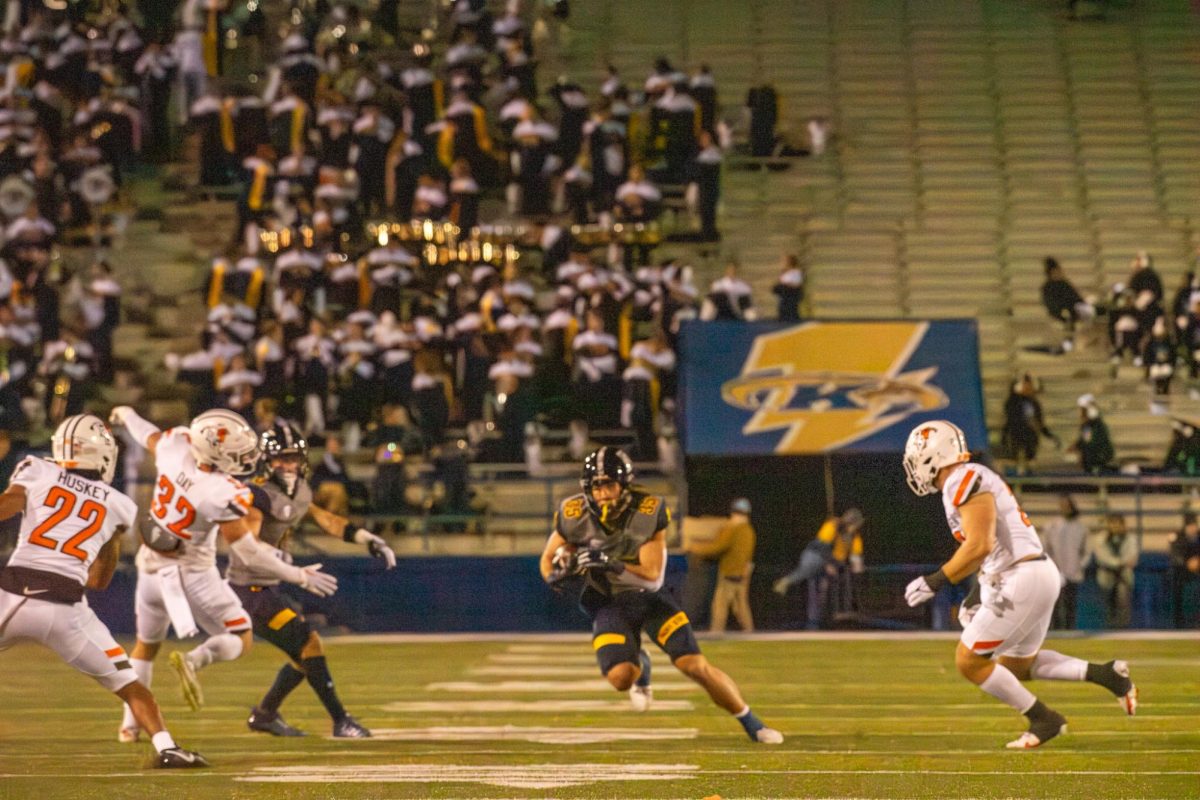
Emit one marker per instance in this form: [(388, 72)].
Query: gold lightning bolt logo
[(829, 384)]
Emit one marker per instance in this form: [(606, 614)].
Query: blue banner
[(818, 387)]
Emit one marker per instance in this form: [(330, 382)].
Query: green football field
[(524, 717)]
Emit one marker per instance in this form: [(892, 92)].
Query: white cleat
[(640, 697), (1128, 701), (128, 735), (768, 736), (193, 695)]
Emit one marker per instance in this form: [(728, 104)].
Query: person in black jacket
[(1063, 301), (1093, 444), (1024, 425)]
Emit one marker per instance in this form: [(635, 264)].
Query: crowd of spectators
[(394, 333), (71, 124)]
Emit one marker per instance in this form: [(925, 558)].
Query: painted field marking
[(529, 776), (536, 734), (597, 685), (554, 776), (1007, 772), (965, 706), (576, 656), (536, 670), (527, 706)]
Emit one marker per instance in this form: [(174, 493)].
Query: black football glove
[(595, 558)]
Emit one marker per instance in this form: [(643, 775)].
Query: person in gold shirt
[(838, 544), (733, 546)]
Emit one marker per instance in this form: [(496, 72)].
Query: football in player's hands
[(157, 539), (564, 560)]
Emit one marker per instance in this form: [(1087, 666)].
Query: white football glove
[(376, 546), (322, 584), (918, 592), (117, 415)]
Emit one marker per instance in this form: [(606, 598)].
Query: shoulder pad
[(572, 516), (963, 484)]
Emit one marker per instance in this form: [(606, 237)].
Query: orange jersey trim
[(962, 488)]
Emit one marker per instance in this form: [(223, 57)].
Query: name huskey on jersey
[(83, 486)]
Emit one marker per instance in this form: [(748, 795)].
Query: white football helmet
[(85, 442), (223, 440), (931, 446)]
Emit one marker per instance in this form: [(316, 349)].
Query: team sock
[(1104, 675), (145, 673), (222, 647), (1005, 687), (1049, 665), (287, 679), (162, 741), (644, 679), (317, 672), (750, 723)]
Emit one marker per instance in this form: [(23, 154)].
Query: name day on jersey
[(83, 486)]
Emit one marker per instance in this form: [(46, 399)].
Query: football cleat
[(768, 736), (640, 697), (1129, 699), (178, 758), (128, 735), (1040, 731), (193, 695), (273, 724), (349, 728)]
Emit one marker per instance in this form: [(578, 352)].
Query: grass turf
[(883, 718)]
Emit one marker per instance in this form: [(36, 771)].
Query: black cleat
[(348, 728), (1041, 730), (178, 758), (273, 724)]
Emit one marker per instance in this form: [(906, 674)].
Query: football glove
[(376, 546), (781, 586), (924, 588), (322, 584), (918, 592), (595, 558)]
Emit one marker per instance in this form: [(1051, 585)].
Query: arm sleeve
[(260, 559), (140, 429), (261, 500)]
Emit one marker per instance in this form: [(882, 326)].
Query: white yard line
[(547, 687), (528, 706), (536, 734)]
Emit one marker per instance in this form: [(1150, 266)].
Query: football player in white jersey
[(69, 542), (1001, 642), (196, 498)]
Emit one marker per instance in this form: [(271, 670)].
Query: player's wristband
[(937, 580), (349, 531)]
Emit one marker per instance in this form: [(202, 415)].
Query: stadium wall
[(469, 594)]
